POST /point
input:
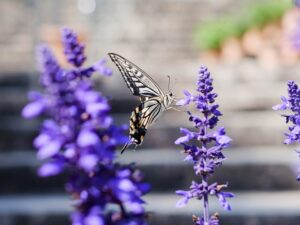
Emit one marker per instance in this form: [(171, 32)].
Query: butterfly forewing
[(139, 82)]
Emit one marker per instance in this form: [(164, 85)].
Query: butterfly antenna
[(169, 83)]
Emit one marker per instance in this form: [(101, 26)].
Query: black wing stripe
[(149, 106), (134, 78), (154, 115), (127, 80), (136, 87), (151, 116)]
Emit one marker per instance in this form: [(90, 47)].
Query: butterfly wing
[(139, 82), (142, 85), (141, 118)]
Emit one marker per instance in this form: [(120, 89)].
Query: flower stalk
[(78, 136), (207, 155), (291, 106), (205, 205)]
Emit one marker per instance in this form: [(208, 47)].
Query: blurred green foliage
[(211, 34)]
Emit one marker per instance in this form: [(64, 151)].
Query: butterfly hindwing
[(139, 82), (150, 111), (143, 116)]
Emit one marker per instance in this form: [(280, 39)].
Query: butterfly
[(153, 100)]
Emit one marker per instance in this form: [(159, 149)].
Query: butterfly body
[(153, 99)]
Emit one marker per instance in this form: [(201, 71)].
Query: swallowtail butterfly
[(153, 99)]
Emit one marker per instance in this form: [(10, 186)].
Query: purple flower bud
[(222, 199), (88, 162), (33, 109), (186, 197), (87, 138), (283, 106), (213, 220), (51, 169), (102, 69), (49, 149), (126, 185), (93, 220)]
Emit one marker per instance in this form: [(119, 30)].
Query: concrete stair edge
[(244, 203)]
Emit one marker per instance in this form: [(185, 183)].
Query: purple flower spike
[(74, 51), (291, 104), (79, 135), (208, 155)]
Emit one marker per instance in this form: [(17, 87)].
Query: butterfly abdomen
[(138, 136), (136, 130)]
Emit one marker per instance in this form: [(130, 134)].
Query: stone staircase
[(260, 170)]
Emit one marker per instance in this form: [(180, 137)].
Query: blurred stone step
[(261, 168), (17, 133), (13, 91), (12, 101), (255, 208), (15, 80), (245, 128)]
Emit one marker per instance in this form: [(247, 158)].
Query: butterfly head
[(168, 100)]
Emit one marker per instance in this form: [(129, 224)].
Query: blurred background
[(250, 47)]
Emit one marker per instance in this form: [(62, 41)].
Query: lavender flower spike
[(74, 51), (79, 134), (291, 104), (206, 156)]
